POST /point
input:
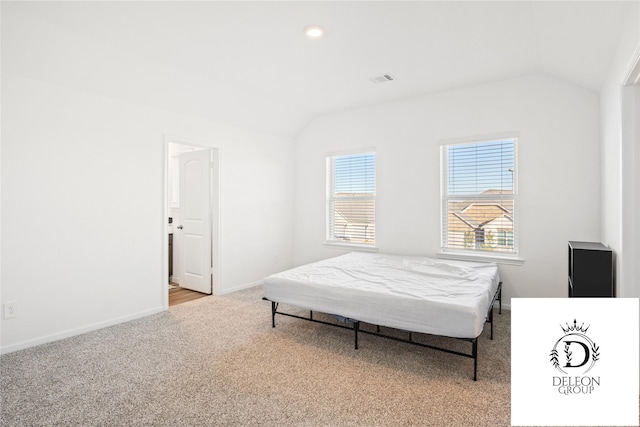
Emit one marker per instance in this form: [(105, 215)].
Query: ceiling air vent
[(382, 78)]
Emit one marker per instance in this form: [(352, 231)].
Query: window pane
[(354, 220), (480, 225), (479, 196), (355, 174), (478, 168), (351, 203)]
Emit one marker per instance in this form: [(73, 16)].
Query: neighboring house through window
[(351, 199), (479, 197)]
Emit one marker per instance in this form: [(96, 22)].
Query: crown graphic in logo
[(575, 327)]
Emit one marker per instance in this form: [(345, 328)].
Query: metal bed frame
[(356, 329)]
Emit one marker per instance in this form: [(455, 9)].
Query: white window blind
[(351, 199), (479, 196)]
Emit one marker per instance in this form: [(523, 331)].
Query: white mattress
[(419, 294)]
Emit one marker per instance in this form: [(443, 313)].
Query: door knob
[(179, 227)]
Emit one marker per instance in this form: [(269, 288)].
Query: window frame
[(467, 253), (331, 198)]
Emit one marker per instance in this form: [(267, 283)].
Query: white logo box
[(574, 361)]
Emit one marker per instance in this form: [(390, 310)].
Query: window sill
[(353, 246), (466, 256)]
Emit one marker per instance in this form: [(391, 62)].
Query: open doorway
[(191, 221)]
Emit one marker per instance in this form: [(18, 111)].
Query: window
[(351, 199), (479, 197)]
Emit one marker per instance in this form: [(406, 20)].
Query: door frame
[(214, 202)]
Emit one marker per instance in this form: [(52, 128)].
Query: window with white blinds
[(351, 199), (479, 197)]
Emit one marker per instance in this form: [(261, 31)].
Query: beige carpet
[(216, 361)]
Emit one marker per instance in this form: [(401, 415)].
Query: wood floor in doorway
[(178, 295)]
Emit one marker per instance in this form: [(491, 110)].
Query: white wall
[(83, 198), (559, 171), (82, 212), (617, 164)]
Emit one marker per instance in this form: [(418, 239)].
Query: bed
[(414, 294)]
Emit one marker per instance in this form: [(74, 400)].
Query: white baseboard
[(76, 331), (504, 306), (242, 287)]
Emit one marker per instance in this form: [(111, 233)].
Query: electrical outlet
[(10, 309)]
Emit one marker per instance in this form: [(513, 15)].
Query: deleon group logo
[(575, 354)]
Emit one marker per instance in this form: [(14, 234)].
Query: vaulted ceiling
[(249, 63)]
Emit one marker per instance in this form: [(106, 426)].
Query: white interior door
[(195, 168)]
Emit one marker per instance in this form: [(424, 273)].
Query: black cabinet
[(590, 270)]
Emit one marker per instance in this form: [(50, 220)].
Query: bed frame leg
[(475, 359), (474, 352), (491, 321), (274, 307), (356, 328), (498, 297)]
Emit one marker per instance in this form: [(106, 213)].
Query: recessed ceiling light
[(314, 32)]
